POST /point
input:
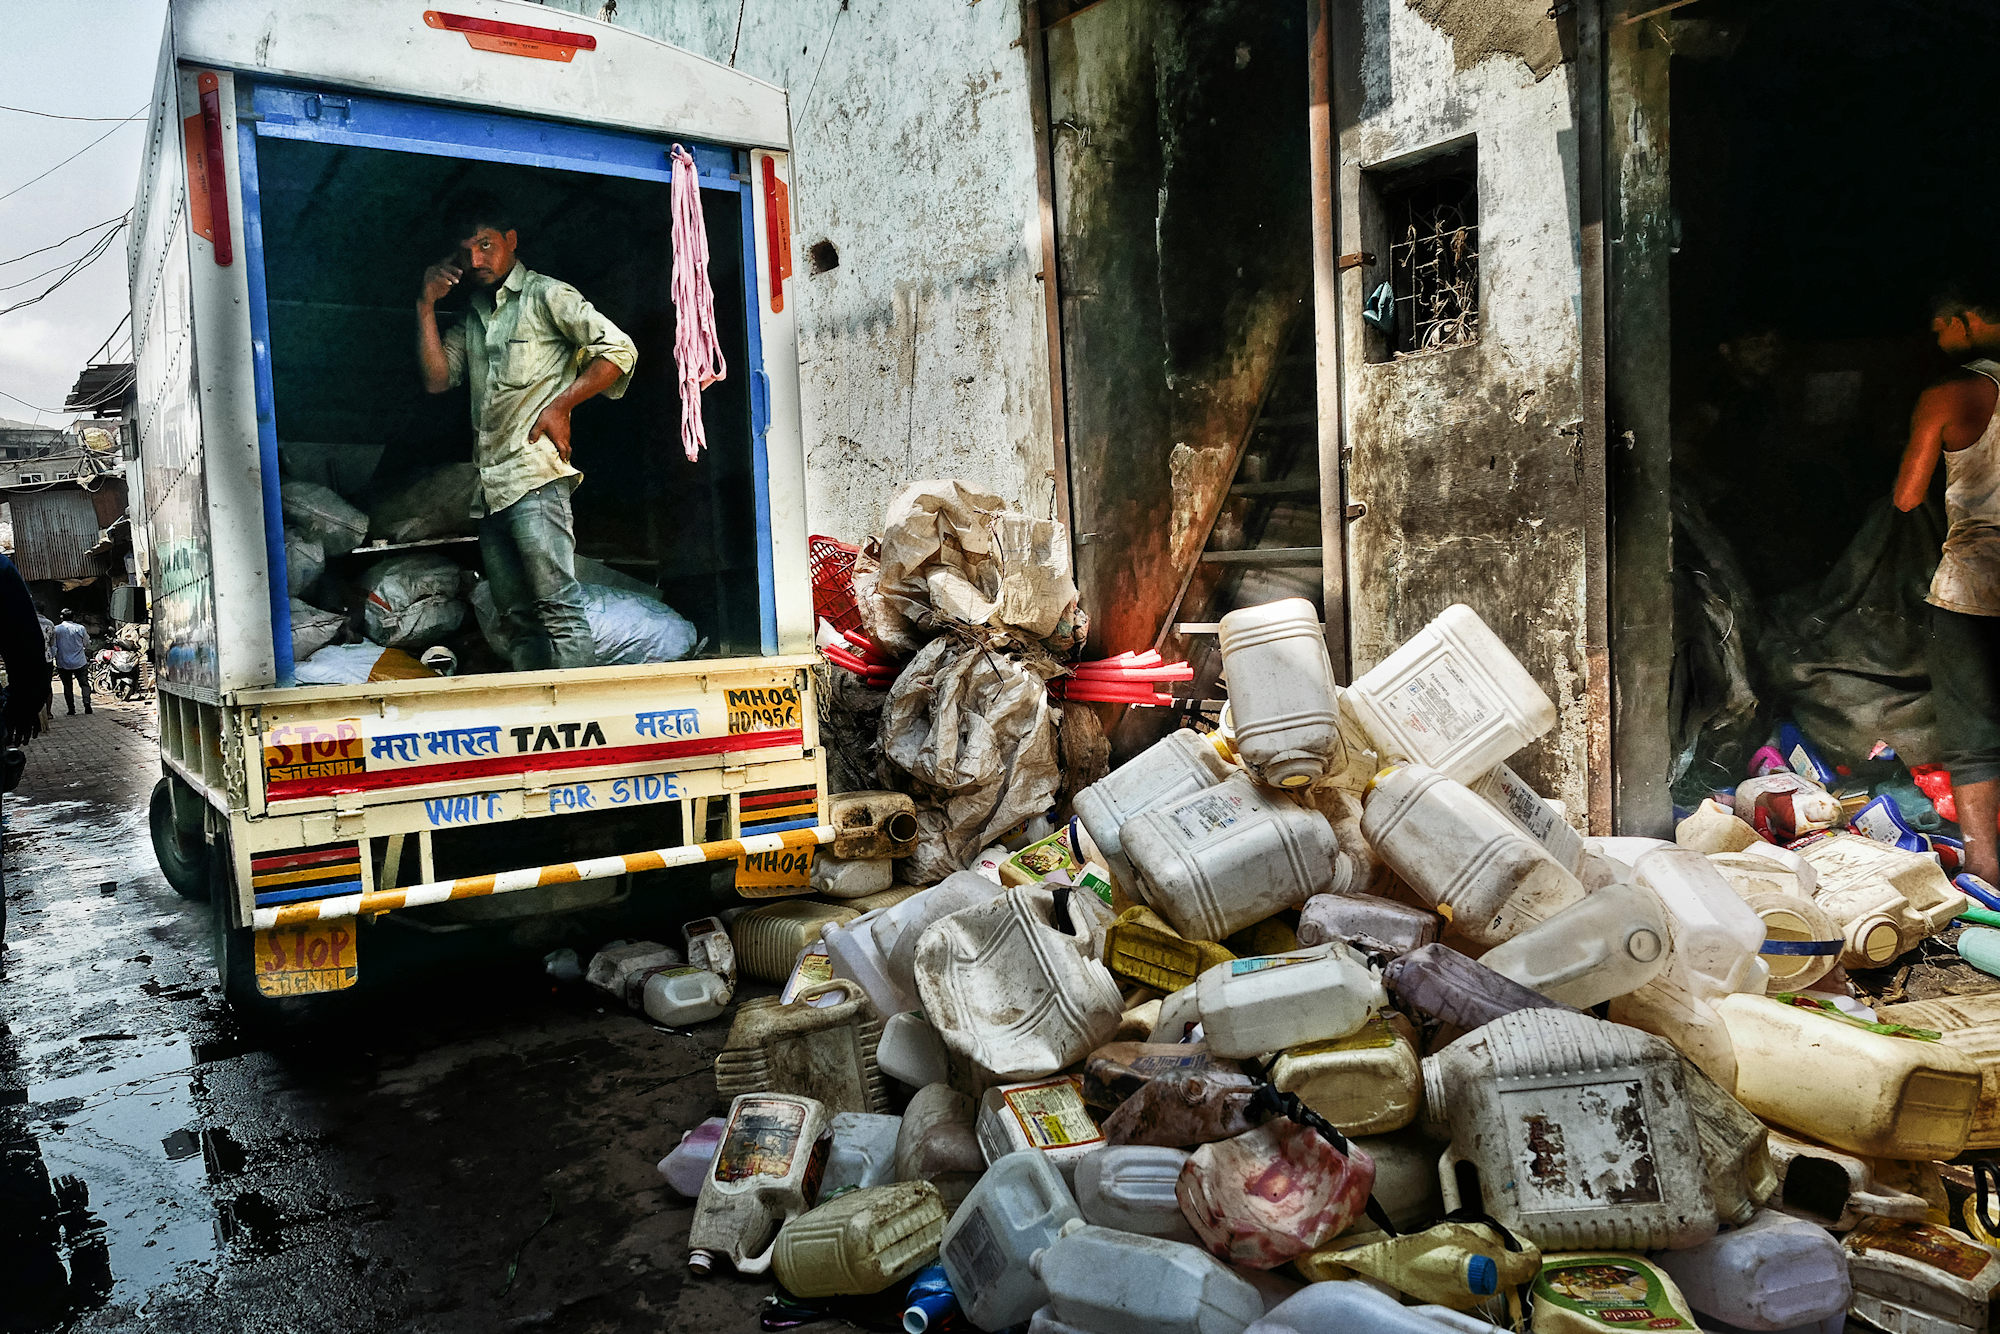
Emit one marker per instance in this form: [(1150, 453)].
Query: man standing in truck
[(533, 348)]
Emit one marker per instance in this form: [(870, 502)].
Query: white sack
[(305, 561), (312, 629), (412, 601), (319, 513), (436, 504)]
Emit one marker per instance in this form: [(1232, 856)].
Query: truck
[(297, 165)]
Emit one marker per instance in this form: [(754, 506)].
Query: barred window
[(1431, 217)]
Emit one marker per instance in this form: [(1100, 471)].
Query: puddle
[(120, 1149)]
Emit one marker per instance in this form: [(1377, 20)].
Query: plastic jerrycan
[(851, 952), (1140, 948), (1226, 857), (1463, 857), (1181, 765), (681, 996), (1271, 1194), (872, 824), (1283, 702), (1360, 1308), (1775, 1272), (1406, 1178), (1252, 1006), (1715, 935), (1969, 1025), (1452, 698), (1130, 1187), (1440, 982), (1045, 1115), (1735, 1149), (1802, 941), (709, 946), (823, 1052), (1460, 1265), (1019, 1207), (910, 1052), (860, 1242), (1597, 1293), (1678, 1006), (1833, 1189), (1535, 813), (1885, 899), (686, 1165), (766, 1172), (1920, 1278), (1714, 827), (842, 878), (1580, 1132), (1367, 1083), (1011, 996), (1865, 1088), (1111, 1282), (1609, 944), (937, 1142), (1380, 925), (768, 938), (862, 1152)]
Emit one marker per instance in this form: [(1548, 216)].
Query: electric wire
[(126, 216), (66, 161), (97, 251), (56, 115)]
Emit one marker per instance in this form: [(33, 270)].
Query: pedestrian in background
[(49, 655), (24, 652), (72, 648)]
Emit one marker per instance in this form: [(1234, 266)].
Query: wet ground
[(471, 1150)]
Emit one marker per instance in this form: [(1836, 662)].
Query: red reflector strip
[(291, 861), (790, 796), (218, 189), (517, 39)]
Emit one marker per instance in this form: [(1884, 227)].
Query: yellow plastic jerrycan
[(1599, 1293), (860, 1242), (1140, 947), (1460, 1265)]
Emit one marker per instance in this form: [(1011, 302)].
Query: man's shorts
[(1965, 692)]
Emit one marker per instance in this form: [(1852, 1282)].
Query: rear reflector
[(513, 39)]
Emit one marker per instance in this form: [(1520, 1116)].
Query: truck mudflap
[(270, 916)]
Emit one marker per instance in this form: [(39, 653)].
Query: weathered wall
[(925, 352), (1183, 231), (1470, 459)]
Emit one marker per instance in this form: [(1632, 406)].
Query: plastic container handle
[(847, 984)]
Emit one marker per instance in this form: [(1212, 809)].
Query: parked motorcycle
[(116, 672)]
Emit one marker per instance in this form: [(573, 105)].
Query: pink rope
[(697, 353)]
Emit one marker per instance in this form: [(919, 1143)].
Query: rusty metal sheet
[(53, 533)]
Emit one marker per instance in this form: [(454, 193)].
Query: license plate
[(774, 874), (303, 960), (771, 709)]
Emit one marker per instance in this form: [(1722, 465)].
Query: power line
[(71, 158), (122, 320), (97, 251), (97, 402), (126, 216), (52, 115)]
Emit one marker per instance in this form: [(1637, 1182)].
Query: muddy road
[(472, 1149)]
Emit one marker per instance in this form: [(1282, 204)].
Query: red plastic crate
[(831, 563)]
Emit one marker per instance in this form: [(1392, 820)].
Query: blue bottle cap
[(1482, 1276)]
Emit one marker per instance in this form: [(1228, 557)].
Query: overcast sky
[(75, 58)]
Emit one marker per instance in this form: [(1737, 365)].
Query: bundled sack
[(313, 629), (412, 601), (976, 730), (305, 561), (319, 513), (954, 551), (436, 504), (626, 628), (358, 664)]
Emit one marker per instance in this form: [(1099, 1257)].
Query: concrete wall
[(1470, 459), (925, 352)]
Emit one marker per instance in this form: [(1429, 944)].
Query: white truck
[(298, 163)]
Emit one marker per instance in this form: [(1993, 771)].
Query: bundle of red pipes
[(869, 662), (1129, 678)]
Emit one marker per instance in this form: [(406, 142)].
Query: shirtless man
[(1957, 419)]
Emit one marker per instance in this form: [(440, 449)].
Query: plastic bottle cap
[(1879, 940), (1643, 945), (1482, 1276), (700, 1263)]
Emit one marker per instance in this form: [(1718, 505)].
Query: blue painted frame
[(282, 111)]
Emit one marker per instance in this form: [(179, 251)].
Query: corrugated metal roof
[(53, 533)]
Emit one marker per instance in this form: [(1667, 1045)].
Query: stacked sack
[(1328, 1021)]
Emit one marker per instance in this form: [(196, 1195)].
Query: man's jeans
[(530, 554)]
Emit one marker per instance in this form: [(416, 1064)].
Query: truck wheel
[(236, 964), (183, 860)]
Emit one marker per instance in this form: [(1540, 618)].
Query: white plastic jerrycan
[(1920, 1278), (1274, 1001), (1578, 1132), (1679, 1005), (910, 1052), (1130, 1187), (860, 1242), (681, 996), (686, 1165), (1775, 1272), (1360, 1308), (842, 878), (1452, 698), (1881, 1094), (765, 1173), (1885, 899), (1535, 813), (1271, 1194), (1047, 1116), (1381, 925), (1609, 944), (1019, 1207), (1234, 854), (1011, 996), (1462, 856), (1112, 1282), (862, 1152), (1183, 764), (1970, 1026), (1715, 935), (709, 946), (937, 1142), (867, 948), (1283, 703)]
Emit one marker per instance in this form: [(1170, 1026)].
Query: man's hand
[(553, 422), (439, 279), (22, 721)]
